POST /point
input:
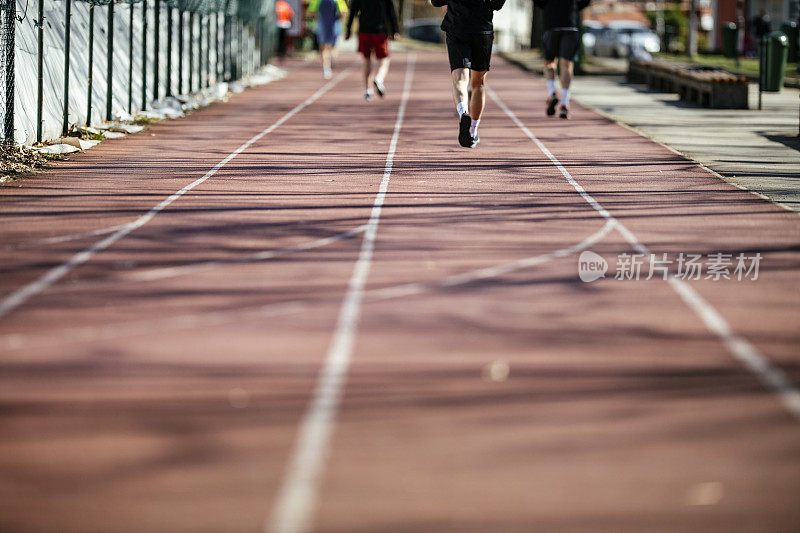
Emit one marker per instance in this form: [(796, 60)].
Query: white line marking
[(296, 502), (18, 297), (168, 272), (61, 238), (747, 354)]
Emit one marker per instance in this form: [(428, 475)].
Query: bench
[(706, 86)]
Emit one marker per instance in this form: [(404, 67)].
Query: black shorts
[(561, 43), (472, 51)]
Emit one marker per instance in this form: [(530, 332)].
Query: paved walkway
[(300, 312), (757, 150)]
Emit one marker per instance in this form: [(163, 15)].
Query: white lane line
[(18, 297), (747, 354), (264, 255), (296, 502), (61, 238)]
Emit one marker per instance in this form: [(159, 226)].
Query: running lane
[(492, 390), (162, 384)]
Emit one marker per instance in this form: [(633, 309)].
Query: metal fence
[(8, 15), (159, 48)]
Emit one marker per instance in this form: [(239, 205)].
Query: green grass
[(145, 121), (747, 66), (93, 137)]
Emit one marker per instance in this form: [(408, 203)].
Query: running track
[(298, 312)]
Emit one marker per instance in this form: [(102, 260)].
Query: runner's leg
[(567, 68), (478, 100), (383, 68), (460, 84), (368, 72)]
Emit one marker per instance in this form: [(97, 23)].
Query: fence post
[(180, 51), (8, 120), (169, 50), (226, 47), (110, 61), (91, 63), (199, 50), (40, 72), (67, 35), (144, 55), (191, 51), (130, 57), (208, 50), (156, 47), (216, 46)]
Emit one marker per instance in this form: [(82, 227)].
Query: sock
[(369, 92), (551, 87), (461, 108), (565, 97), (473, 128)]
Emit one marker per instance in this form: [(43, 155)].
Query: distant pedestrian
[(469, 27), (284, 14), (762, 25), (377, 23), (327, 13), (561, 42)]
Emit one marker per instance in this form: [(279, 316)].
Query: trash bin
[(729, 36), (772, 64), (792, 33)]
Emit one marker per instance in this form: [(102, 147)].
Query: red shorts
[(369, 42)]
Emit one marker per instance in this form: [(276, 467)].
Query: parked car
[(427, 30), (591, 29), (619, 40)]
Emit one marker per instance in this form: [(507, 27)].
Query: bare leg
[(325, 50), (368, 77), (460, 82), (550, 70), (567, 67), (478, 101), (383, 68)]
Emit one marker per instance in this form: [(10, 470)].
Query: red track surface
[(138, 402)]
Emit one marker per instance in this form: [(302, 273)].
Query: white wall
[(26, 63), (512, 25)]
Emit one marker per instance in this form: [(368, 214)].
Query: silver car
[(620, 41)]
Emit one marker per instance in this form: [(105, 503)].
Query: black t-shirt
[(374, 17), (561, 13), (468, 17)]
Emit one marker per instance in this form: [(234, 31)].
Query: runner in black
[(560, 41), (377, 23), (470, 33)]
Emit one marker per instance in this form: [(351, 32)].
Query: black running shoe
[(464, 138), (564, 112), (380, 87), (552, 102)]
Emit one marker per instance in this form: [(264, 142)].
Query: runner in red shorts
[(377, 23)]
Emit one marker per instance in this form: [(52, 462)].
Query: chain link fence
[(76, 62), (8, 15)]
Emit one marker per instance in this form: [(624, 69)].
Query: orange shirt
[(285, 13)]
